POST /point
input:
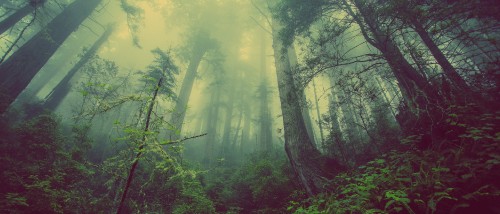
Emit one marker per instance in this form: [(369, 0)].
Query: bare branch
[(181, 140)]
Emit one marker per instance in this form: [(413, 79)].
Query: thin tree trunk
[(58, 93), (245, 132), (265, 142), (141, 146), (212, 127), (20, 68), (318, 114), (335, 132), (237, 131), (226, 139), (387, 100)]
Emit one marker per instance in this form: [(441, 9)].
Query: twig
[(18, 37), (183, 139)]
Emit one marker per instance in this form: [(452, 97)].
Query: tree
[(54, 98), (304, 157), (411, 13), (421, 98), (20, 13), (161, 71), (226, 139), (17, 71), (199, 44), (265, 141)]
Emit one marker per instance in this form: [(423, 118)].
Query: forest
[(250, 106)]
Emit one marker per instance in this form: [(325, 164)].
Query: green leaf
[(440, 169), (389, 203)]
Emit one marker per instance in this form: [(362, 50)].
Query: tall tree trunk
[(419, 92), (265, 141), (14, 18), (424, 104), (384, 94), (141, 146), (211, 127), (226, 139), (58, 93), (305, 159), (448, 69), (335, 132), (20, 68), (245, 132), (318, 114), (237, 131), (180, 108), (292, 57)]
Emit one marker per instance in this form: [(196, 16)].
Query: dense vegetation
[(373, 106)]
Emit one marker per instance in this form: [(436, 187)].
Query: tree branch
[(183, 139)]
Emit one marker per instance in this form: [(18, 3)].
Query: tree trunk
[(18, 70), (448, 69), (265, 142), (386, 98), (180, 109), (237, 131), (335, 132), (14, 18), (245, 132), (58, 93), (141, 146), (226, 137), (418, 90), (292, 57), (212, 127), (318, 114), (424, 105), (305, 159)]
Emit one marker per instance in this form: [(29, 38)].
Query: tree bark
[(20, 68), (305, 159), (292, 57)]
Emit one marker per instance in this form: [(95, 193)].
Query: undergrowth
[(461, 176)]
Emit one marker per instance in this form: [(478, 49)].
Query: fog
[(245, 106)]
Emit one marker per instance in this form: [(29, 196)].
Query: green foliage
[(457, 179), (164, 68), (297, 17), (37, 173), (263, 184)]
